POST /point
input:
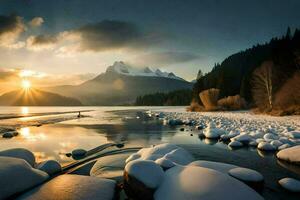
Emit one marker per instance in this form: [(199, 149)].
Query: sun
[(26, 84)]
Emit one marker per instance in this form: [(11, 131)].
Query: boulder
[(7, 135), (291, 154), (290, 184), (192, 182), (265, 146), (16, 175), (78, 153), (235, 144), (20, 153), (51, 167)]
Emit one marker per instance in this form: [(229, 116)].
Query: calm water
[(125, 124)]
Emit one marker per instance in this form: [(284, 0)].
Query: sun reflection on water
[(24, 110), (26, 134)]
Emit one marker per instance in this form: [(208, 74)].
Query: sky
[(70, 41)]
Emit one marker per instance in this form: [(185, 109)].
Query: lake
[(51, 136)]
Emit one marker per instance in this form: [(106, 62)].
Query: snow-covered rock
[(171, 152), (146, 171), (284, 146), (243, 138), (49, 166), (218, 166), (75, 187), (294, 134), (265, 146), (211, 132), (20, 153), (291, 154), (165, 163), (16, 175), (192, 182), (276, 143), (235, 144), (290, 184), (247, 175), (269, 137)]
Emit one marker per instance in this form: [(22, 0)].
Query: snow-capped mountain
[(125, 69), (121, 84)]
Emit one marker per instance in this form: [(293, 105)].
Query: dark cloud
[(10, 29), (40, 42), (161, 58), (112, 34)]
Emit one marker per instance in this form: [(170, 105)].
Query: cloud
[(41, 42), (163, 58), (37, 21), (97, 37), (11, 27), (7, 74)]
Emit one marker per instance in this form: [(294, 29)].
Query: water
[(64, 133)]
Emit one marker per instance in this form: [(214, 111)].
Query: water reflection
[(24, 110)]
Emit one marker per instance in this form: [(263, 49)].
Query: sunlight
[(26, 84), (25, 132), (24, 110)]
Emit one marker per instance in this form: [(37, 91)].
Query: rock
[(78, 153), (235, 144), (165, 163), (284, 146), (291, 154), (269, 137), (211, 133), (192, 182), (290, 184), (245, 174), (141, 178), (175, 122), (276, 143), (51, 167), (16, 175), (171, 152), (265, 146), (259, 140), (20, 153), (181, 129), (294, 134), (243, 138), (218, 166), (7, 135), (253, 143), (73, 187)]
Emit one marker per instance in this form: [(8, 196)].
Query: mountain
[(234, 75), (34, 97), (121, 84)]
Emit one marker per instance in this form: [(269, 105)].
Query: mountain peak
[(123, 68)]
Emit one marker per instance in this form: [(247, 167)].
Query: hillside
[(121, 84), (233, 76), (35, 97)]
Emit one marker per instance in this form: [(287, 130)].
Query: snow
[(261, 131), (171, 152), (235, 144), (245, 174), (146, 171), (265, 146), (51, 167), (16, 175), (20, 153), (75, 187), (218, 166), (291, 154), (192, 182), (294, 134), (165, 163), (290, 184), (212, 132), (127, 70)]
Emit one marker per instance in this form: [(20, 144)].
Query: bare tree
[(262, 85)]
